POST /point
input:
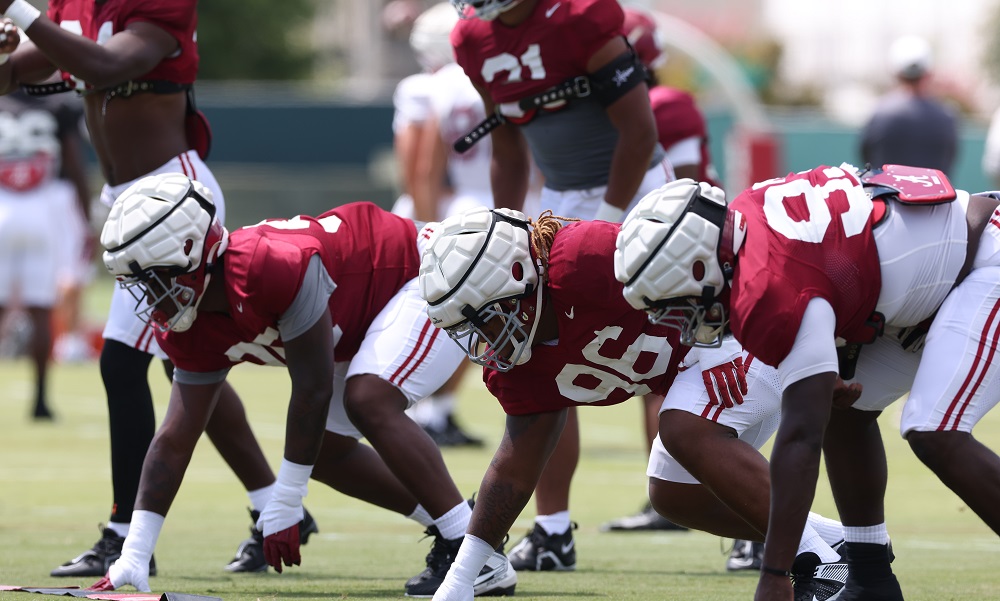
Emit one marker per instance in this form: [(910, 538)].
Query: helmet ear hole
[(188, 245), (517, 272), (698, 270)]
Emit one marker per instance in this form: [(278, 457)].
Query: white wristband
[(470, 559), (293, 476), (609, 212), (143, 533), (22, 13), (4, 57)]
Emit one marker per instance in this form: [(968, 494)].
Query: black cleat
[(496, 579), (539, 551), (250, 553), (452, 435), (871, 577), (815, 581), (746, 555), (98, 559), (647, 519)]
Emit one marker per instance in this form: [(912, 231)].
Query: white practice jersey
[(458, 108), (411, 101)]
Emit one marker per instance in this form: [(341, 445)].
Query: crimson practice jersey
[(807, 235), (553, 45), (678, 118), (607, 351), (98, 21), (369, 253)]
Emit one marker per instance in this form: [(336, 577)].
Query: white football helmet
[(478, 276), (486, 10), (667, 256), (161, 239), (431, 36)]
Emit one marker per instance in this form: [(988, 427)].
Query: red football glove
[(104, 584), (726, 383), (283, 546)]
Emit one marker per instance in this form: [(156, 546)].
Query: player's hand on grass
[(279, 522), (122, 572)]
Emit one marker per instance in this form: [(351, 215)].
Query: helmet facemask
[(483, 287), (668, 257), (484, 10), (487, 333), (701, 325)]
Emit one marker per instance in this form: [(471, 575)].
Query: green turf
[(55, 489)]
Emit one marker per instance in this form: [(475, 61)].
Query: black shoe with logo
[(539, 551), (647, 519), (98, 559), (496, 579), (816, 581)]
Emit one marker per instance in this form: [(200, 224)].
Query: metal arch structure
[(752, 148)]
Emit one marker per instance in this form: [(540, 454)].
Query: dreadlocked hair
[(543, 233)]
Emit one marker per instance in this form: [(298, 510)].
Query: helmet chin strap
[(526, 352), (185, 319)]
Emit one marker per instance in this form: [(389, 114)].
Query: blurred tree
[(255, 39)]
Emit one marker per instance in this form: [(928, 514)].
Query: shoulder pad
[(911, 185)]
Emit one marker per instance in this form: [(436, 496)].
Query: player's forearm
[(305, 424), (510, 168), (498, 504), (162, 473), (629, 164)]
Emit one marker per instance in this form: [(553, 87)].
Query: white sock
[(260, 497), (832, 531), (811, 541), (877, 535), (119, 528), (453, 524), (426, 413), (421, 516), (556, 523)]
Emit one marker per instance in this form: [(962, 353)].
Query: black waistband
[(123, 90)]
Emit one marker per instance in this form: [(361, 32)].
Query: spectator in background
[(909, 127), (596, 149), (39, 139)]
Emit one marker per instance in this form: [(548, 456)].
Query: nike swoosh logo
[(549, 12), (564, 549), (239, 307), (569, 313)]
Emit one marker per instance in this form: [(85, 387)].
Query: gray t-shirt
[(573, 146)]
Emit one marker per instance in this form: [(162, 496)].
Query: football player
[(334, 300), (537, 305), (134, 63), (680, 128), (891, 276), (39, 139), (558, 79)]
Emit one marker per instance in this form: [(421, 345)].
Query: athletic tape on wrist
[(22, 13)]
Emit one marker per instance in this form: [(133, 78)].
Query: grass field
[(55, 489)]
